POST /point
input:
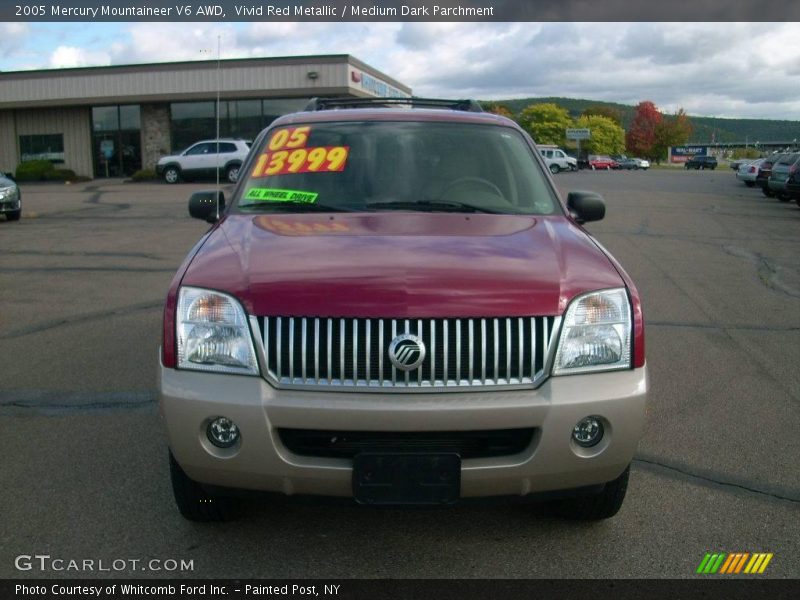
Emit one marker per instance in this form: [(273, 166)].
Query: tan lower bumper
[(188, 400)]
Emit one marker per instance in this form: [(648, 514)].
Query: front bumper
[(189, 400), (8, 204)]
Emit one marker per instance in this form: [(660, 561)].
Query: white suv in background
[(557, 160), (205, 159)]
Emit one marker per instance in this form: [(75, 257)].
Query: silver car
[(748, 171), (10, 198)]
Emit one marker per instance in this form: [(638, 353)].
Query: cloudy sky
[(711, 69)]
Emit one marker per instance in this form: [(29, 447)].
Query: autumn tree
[(606, 136), (641, 136), (671, 131), (604, 111), (497, 109), (547, 123)]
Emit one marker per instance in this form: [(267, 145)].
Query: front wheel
[(783, 197), (750, 183), (554, 169), (172, 175), (767, 192), (194, 502), (14, 215), (596, 507), (232, 173)]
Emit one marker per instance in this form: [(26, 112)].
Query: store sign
[(578, 134), (680, 154), (374, 86)]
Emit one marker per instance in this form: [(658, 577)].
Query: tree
[(604, 111), (606, 136), (672, 131), (641, 136), (497, 109), (547, 123)]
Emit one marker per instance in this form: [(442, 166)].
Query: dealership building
[(113, 121)]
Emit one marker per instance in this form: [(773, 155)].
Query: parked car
[(10, 198), (629, 164), (793, 185), (781, 170), (737, 163), (205, 159), (701, 162), (748, 171), (599, 161), (643, 164), (397, 306), (557, 160), (765, 170)]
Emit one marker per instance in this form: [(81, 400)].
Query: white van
[(557, 160)]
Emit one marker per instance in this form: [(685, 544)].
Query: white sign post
[(578, 135)]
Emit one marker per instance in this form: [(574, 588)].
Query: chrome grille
[(310, 352)]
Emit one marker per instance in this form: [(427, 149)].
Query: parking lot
[(82, 281)]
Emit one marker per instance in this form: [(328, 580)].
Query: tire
[(750, 183), (194, 502), (600, 506), (686, 167), (14, 215), (172, 174), (767, 192), (783, 197), (232, 173)]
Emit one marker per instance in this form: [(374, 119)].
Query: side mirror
[(586, 206), (203, 205)]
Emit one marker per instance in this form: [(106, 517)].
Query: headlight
[(596, 334), (8, 193), (213, 334)]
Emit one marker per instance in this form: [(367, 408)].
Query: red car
[(397, 306), (599, 161)]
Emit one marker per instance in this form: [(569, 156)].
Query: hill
[(706, 129)]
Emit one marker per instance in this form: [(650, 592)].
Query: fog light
[(588, 432), (222, 432)]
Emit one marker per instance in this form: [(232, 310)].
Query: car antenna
[(218, 107)]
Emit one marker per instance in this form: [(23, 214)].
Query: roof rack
[(316, 104)]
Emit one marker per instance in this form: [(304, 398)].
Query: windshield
[(418, 166)]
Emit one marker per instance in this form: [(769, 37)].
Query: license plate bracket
[(386, 478)]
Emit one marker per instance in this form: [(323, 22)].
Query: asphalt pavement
[(84, 472)]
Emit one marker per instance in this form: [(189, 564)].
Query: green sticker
[(275, 195)]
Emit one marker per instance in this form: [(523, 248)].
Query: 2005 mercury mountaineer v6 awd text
[(397, 306)]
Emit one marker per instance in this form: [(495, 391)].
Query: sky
[(744, 70)]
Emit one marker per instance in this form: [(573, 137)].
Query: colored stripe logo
[(734, 563)]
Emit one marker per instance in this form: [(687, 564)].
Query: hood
[(396, 264)]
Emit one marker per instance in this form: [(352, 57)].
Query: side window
[(227, 147), (198, 149), (560, 154)]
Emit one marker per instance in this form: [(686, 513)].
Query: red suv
[(397, 306)]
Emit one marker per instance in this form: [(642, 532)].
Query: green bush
[(60, 175), (144, 175), (34, 170)]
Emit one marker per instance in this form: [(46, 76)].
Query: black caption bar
[(399, 10), (415, 589)]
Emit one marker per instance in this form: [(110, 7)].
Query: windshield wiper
[(293, 206), (433, 206)]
